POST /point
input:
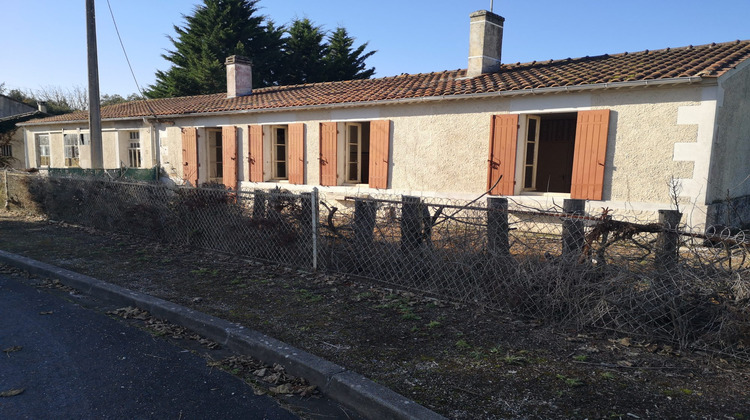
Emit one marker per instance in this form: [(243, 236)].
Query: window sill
[(544, 194)]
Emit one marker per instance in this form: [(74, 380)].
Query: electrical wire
[(140, 91)]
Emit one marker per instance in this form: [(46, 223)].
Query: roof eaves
[(21, 116)]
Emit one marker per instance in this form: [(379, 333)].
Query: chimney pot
[(485, 42), (239, 76)]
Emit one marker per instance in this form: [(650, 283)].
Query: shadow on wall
[(733, 212), (609, 164)]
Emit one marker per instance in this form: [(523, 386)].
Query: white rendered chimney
[(239, 76), (485, 43)]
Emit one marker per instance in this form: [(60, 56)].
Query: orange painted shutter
[(380, 136), (328, 153), (296, 152), (589, 155), (190, 155), (502, 160), (255, 140), (229, 157)]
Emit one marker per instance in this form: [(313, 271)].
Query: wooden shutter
[(255, 161), (502, 159), (229, 157), (190, 155), (296, 153), (328, 151), (589, 155), (380, 136)]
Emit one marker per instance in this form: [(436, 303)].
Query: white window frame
[(43, 158), (531, 142), (348, 143), (134, 149), (277, 160), (72, 150)]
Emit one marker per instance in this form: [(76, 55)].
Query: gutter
[(501, 94)]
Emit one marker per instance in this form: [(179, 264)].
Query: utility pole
[(95, 115)]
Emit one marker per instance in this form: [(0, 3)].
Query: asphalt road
[(74, 362)]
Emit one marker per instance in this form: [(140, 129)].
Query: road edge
[(349, 388)]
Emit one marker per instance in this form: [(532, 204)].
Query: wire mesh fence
[(267, 225), (653, 278)]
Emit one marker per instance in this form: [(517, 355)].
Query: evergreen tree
[(220, 28), (304, 53), (342, 62), (216, 30)]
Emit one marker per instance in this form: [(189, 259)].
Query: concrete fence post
[(259, 204), (364, 222), (573, 233), (410, 223), (668, 240), (497, 226)]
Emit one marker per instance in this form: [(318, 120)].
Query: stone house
[(615, 130)]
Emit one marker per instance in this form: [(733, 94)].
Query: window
[(42, 149), (279, 152), (561, 153), (357, 153), (215, 156), (548, 159), (134, 150), (71, 142), (6, 150)]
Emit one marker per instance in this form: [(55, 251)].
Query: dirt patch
[(459, 360)]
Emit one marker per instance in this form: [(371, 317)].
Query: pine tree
[(216, 30), (304, 50), (344, 63)]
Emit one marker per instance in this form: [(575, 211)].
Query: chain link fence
[(652, 278)]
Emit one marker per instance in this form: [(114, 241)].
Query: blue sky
[(44, 41)]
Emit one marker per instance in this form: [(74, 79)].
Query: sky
[(44, 41)]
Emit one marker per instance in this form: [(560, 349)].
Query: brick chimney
[(485, 42), (239, 76)]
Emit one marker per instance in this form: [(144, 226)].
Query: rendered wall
[(115, 140), (441, 148)]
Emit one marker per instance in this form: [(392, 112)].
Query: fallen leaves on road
[(10, 350), (130, 312), (12, 392), (250, 368), (161, 327), (46, 313)]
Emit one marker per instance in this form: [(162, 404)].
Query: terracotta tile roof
[(706, 61)]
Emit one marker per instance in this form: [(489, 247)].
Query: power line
[(128, 60)]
